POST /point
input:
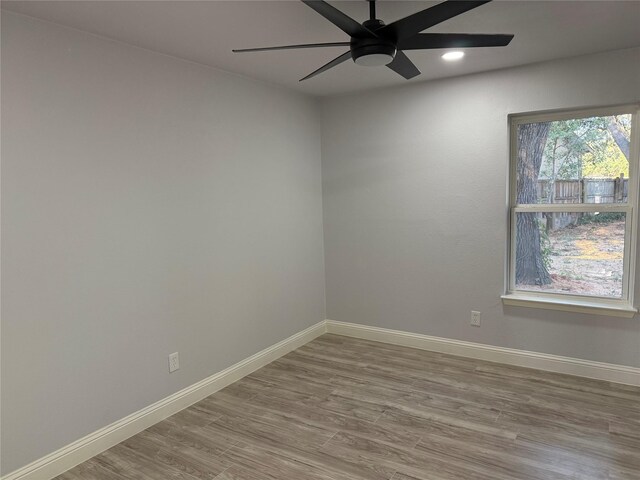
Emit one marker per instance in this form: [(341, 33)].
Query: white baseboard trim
[(83, 449), (521, 358)]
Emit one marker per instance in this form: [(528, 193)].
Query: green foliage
[(584, 147), (610, 163), (545, 243), (607, 217)]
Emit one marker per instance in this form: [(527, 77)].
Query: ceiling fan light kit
[(375, 44), (372, 52)]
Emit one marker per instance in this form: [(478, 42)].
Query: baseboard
[(522, 358), (83, 449)]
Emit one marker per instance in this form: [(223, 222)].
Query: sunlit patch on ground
[(592, 250)]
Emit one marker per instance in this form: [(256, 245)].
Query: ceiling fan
[(374, 44)]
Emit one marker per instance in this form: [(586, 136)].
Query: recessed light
[(456, 55)]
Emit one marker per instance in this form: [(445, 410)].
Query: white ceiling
[(206, 31)]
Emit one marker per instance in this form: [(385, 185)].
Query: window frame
[(623, 306)]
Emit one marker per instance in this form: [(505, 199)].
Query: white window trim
[(623, 307)]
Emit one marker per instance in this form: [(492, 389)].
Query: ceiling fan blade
[(416, 23), (344, 22), (292, 47), (403, 66), (336, 61), (453, 40)]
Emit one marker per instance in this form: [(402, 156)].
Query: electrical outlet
[(174, 362), (475, 319)]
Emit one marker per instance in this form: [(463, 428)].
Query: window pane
[(583, 160), (571, 253)]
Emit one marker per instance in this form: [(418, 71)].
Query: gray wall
[(149, 205), (403, 252)]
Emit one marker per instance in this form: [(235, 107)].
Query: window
[(573, 210)]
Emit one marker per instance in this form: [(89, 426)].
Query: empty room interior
[(309, 240)]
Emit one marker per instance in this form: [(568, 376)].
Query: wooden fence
[(585, 190)]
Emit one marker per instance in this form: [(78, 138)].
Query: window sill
[(596, 306)]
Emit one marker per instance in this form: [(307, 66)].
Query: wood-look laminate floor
[(346, 409)]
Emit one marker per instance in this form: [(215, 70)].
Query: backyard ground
[(586, 260)]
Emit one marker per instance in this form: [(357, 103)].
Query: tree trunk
[(620, 138), (530, 268)]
